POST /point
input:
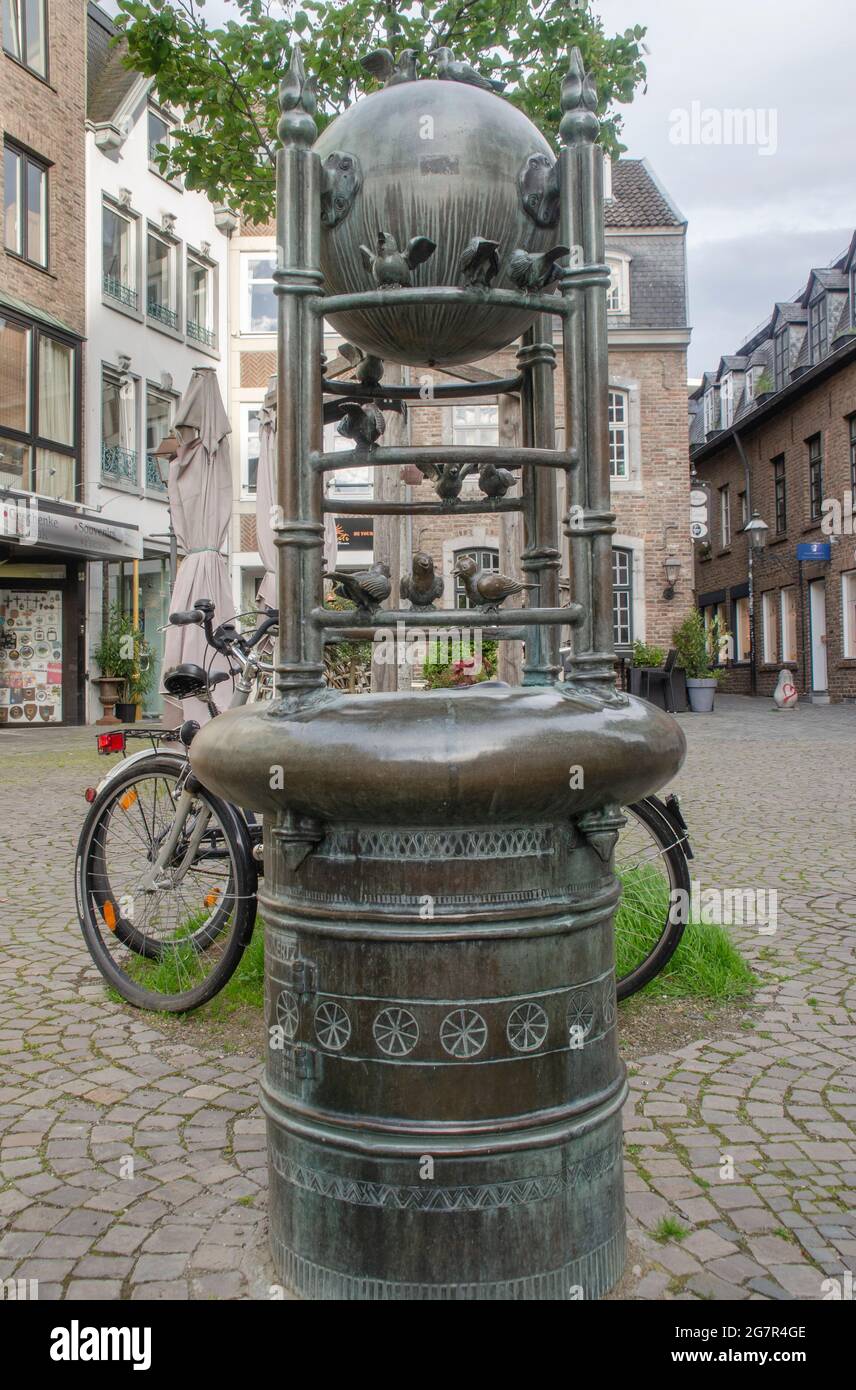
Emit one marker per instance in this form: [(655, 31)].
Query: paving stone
[(707, 1245)]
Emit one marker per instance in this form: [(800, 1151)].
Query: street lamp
[(757, 531), (672, 566)]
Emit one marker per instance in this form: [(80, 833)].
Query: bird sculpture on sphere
[(479, 263), (361, 421), (389, 70), (389, 267), (531, 271), (422, 586), (366, 588), (487, 589), (368, 370), (495, 482), (451, 69)]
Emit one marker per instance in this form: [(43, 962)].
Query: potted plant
[(694, 655), (124, 656)]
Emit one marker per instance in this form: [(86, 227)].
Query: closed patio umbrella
[(200, 495)]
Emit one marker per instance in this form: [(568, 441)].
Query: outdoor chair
[(661, 676)]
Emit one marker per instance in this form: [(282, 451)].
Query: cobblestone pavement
[(85, 1083)]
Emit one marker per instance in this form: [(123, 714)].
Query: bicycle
[(187, 834), (167, 873)]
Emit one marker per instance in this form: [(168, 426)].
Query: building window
[(815, 477), (158, 131), (618, 294), (200, 302), (159, 409), (475, 425), (618, 450), (848, 613), (770, 626), (711, 418), (789, 624), (258, 302), (486, 559), (853, 460), (346, 482), (726, 398), (161, 287), (622, 597), (119, 428), (781, 494), (250, 422), (119, 255), (744, 509), (38, 410), (753, 376), (817, 329), (742, 630), (25, 33), (717, 643), (724, 517), (25, 198), (782, 359)]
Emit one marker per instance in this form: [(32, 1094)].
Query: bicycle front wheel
[(165, 930), (655, 885)]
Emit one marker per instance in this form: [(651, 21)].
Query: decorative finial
[(579, 103), (298, 103)]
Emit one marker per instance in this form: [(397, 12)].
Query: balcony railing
[(119, 465), (200, 334), (162, 313), (154, 481), (117, 290)]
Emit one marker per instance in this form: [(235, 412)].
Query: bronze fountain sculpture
[(443, 1087)]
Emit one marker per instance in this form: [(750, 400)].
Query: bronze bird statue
[(487, 589), (533, 272), (422, 586), (368, 369), (450, 69), (450, 479), (495, 482), (389, 267), (479, 263), (366, 588), (391, 71), (361, 421)]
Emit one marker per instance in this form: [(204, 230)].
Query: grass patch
[(669, 1228), (706, 965), (246, 988)]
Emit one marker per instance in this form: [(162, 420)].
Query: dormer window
[(726, 397), (753, 376), (783, 358), (618, 294), (711, 421), (818, 329), (853, 297)]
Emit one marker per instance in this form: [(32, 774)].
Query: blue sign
[(814, 550)]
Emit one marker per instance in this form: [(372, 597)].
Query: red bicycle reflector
[(90, 794), (110, 743)]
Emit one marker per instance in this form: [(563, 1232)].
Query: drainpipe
[(753, 674)]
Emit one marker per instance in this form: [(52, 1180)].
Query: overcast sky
[(757, 222)]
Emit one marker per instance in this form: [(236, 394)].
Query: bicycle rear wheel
[(165, 939), (655, 886)]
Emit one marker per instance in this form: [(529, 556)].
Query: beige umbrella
[(200, 496), (266, 503)]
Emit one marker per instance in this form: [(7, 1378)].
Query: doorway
[(817, 620)]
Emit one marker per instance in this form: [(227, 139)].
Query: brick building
[(773, 431), (648, 338), (47, 534)]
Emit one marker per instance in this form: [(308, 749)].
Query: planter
[(700, 694), (109, 692), (126, 713)]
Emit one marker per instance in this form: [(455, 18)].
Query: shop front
[(46, 548)]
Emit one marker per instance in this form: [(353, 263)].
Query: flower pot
[(700, 694), (126, 713), (109, 691)]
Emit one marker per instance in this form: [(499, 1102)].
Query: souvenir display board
[(30, 656)]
